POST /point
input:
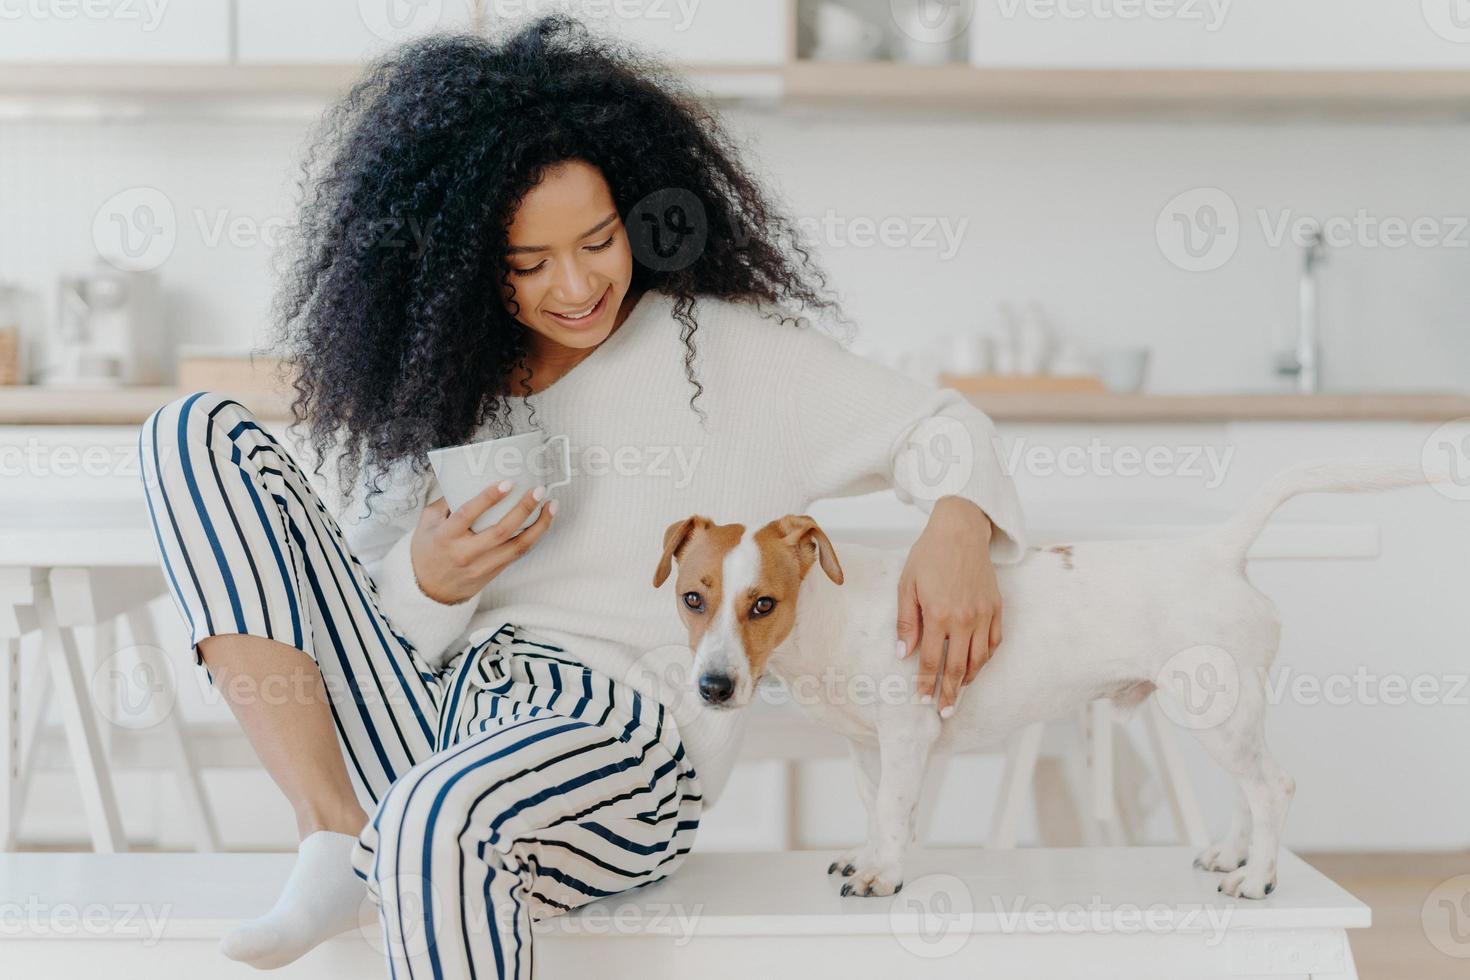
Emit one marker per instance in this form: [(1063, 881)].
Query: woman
[(488, 691)]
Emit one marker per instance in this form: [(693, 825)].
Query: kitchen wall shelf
[(193, 81), (963, 87), (23, 405), (866, 85)]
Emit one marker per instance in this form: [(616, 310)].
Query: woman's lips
[(592, 317)]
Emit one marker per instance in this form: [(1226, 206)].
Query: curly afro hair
[(391, 312)]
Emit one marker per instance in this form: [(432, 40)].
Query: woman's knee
[(421, 815), (182, 429)]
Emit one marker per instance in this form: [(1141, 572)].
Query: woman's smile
[(586, 316)]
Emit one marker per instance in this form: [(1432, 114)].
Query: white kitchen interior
[(1169, 246)]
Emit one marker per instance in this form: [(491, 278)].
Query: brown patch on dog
[(1065, 550)]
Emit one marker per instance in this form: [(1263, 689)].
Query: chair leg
[(1175, 776), (30, 744), (1015, 785), (791, 777), (181, 755), (9, 739), (1103, 789), (80, 721)]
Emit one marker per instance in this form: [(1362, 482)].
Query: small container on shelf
[(12, 370)]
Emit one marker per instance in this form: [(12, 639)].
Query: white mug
[(464, 471), (1124, 369)]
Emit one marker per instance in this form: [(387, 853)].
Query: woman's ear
[(675, 537)]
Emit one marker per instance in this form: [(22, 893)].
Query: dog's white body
[(1100, 619)]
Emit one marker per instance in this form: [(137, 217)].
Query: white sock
[(321, 899)]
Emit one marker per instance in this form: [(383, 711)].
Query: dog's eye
[(694, 601), (763, 605)]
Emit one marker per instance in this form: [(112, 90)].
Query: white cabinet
[(753, 32), (115, 31), (339, 32), (1222, 34), (689, 32)]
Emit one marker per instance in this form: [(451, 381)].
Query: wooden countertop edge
[(132, 406), (1082, 407), (35, 405)]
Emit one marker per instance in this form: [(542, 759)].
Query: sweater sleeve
[(859, 426), (380, 538)]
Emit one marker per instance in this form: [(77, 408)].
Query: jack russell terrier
[(1100, 619)]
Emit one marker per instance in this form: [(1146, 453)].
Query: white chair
[(86, 565)]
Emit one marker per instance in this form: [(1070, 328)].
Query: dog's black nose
[(716, 688)]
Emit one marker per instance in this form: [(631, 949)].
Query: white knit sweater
[(792, 417)]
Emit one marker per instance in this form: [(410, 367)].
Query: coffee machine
[(109, 330)]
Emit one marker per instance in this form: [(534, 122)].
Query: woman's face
[(570, 263)]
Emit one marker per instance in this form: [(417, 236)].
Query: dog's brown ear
[(811, 544), (674, 538)]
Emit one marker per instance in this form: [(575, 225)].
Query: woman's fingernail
[(946, 711), (505, 486), (538, 493), (926, 699), (903, 648), (552, 507)]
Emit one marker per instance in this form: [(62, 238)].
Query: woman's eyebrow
[(518, 249)]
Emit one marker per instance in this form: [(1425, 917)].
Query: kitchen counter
[(1225, 407), (34, 405), (130, 406)]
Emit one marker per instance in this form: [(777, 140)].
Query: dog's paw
[(850, 861), (1248, 883), (874, 880), (1221, 857)]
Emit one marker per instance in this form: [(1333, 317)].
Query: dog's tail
[(1237, 535)]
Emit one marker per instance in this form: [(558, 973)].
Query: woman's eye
[(693, 601), (528, 272), (763, 605), (604, 245)]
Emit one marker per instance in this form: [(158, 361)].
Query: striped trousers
[(511, 785)]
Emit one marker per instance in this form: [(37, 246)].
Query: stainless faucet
[(1305, 362)]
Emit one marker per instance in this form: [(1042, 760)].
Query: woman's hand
[(452, 562), (948, 591)]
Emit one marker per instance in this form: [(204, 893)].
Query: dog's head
[(736, 592)]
